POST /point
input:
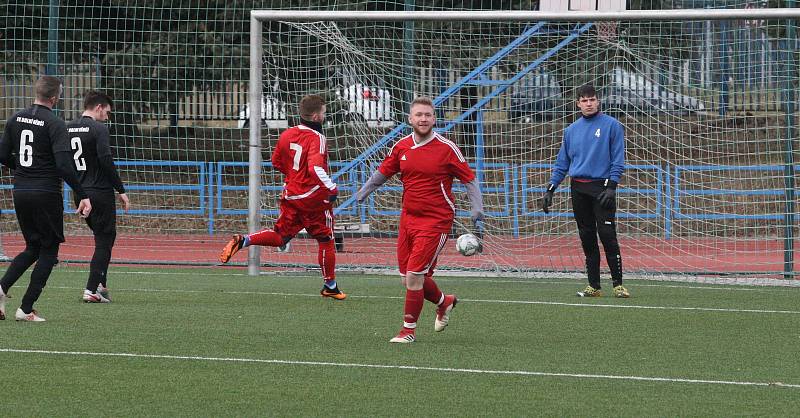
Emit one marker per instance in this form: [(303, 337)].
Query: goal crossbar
[(522, 15)]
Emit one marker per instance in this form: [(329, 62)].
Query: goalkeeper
[(593, 154), (308, 194)]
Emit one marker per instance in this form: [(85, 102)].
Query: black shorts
[(103, 217), (40, 216)]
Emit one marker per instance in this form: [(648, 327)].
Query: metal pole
[(254, 189), (788, 171), (408, 57), (52, 39), (724, 69), (524, 15)]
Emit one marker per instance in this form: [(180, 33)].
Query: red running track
[(541, 253)]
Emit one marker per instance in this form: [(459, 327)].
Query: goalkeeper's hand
[(547, 198), (607, 197)]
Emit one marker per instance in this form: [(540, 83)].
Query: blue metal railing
[(674, 210), (200, 187), (206, 187)]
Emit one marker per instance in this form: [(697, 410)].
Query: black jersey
[(91, 150), (29, 145)]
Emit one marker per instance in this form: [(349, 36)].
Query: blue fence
[(206, 187)]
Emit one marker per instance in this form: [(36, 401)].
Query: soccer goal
[(707, 98)]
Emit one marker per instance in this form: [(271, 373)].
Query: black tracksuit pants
[(593, 220)]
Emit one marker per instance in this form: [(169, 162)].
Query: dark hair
[(586, 90), (47, 87), (310, 104), (422, 100), (93, 98)]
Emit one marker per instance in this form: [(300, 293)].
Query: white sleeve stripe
[(395, 144), (321, 137), (452, 145), (323, 177)]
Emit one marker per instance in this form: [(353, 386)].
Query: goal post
[(709, 111), (254, 152)]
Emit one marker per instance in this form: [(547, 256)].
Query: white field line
[(534, 281), (500, 301), (399, 367)]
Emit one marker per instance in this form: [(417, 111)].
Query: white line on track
[(401, 367), (511, 302)]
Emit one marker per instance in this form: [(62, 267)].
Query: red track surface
[(548, 253)]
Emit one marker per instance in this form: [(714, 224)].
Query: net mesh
[(703, 103)]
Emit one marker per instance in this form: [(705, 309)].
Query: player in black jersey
[(36, 148), (89, 140)]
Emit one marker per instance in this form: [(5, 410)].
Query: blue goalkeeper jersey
[(593, 148)]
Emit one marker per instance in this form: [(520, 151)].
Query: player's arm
[(616, 143), (388, 168), (66, 169), (65, 164), (277, 161), (6, 156), (375, 180), (562, 163), (475, 201), (316, 166), (106, 162), (559, 172), (461, 170)]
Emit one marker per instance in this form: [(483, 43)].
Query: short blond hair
[(422, 100)]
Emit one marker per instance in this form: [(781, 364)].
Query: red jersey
[(302, 156), (427, 171)]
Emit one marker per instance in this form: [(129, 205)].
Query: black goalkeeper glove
[(547, 199), (608, 197)]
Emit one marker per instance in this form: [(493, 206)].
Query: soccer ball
[(467, 244)]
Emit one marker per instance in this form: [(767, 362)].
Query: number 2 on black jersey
[(80, 162)]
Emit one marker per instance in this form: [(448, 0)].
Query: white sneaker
[(405, 336), (29, 317), (90, 297), (103, 291), (3, 299), (443, 312)]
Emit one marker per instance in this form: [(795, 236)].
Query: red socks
[(432, 292), (266, 237), (413, 307), (416, 298), (327, 259)]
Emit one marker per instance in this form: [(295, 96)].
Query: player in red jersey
[(427, 163), (308, 194)]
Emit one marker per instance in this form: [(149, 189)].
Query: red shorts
[(315, 217), (417, 251)]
